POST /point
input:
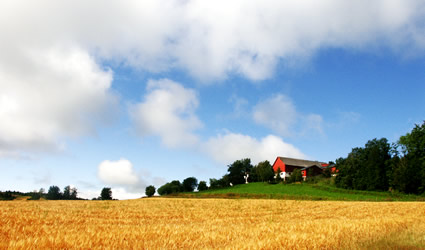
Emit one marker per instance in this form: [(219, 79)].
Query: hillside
[(302, 191)]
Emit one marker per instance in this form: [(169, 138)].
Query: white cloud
[(124, 194), (280, 115), (211, 39), (125, 182), (119, 172), (168, 111), (230, 147), (50, 94), (89, 193), (277, 113)]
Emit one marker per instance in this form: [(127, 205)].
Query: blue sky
[(132, 94)]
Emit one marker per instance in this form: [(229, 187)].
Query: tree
[(150, 191), (170, 187), (165, 189), (54, 193), (214, 183), (238, 169), (106, 194), (67, 193), (408, 171), (176, 186), (202, 186), (190, 184), (219, 183), (74, 193), (264, 171), (366, 168)]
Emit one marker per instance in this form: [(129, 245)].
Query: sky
[(126, 94)]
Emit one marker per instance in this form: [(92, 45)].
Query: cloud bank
[(211, 39)]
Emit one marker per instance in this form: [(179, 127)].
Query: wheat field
[(211, 223)]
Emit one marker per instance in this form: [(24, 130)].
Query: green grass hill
[(300, 191)]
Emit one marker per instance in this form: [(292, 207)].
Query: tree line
[(382, 166), (55, 193)]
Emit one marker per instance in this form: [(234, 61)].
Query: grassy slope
[(302, 191)]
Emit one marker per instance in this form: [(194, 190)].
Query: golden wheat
[(211, 223)]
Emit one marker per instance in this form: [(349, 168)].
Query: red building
[(285, 166)]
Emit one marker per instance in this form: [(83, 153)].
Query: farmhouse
[(285, 166)]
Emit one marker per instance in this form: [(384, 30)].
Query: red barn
[(285, 166)]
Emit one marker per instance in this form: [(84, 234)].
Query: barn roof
[(300, 163), (305, 168)]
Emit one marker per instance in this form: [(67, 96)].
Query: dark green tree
[(106, 193), (264, 171), (74, 193), (176, 186), (366, 168), (170, 187), (377, 164), (253, 175), (54, 193), (214, 183), (238, 169), (219, 183), (150, 191), (202, 186), (190, 184), (67, 193), (165, 189), (408, 170)]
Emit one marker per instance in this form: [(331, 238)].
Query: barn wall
[(278, 164)]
